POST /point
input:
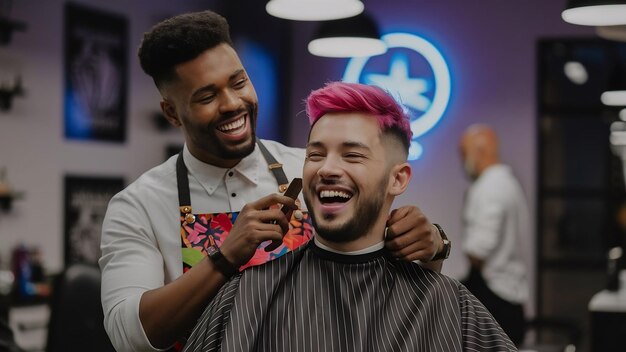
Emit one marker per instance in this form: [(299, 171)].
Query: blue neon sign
[(424, 97)]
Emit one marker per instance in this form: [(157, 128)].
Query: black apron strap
[(184, 196), (182, 180), (275, 167)]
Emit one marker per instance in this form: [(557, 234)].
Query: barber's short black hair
[(180, 39)]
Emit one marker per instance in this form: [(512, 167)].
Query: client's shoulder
[(423, 277)]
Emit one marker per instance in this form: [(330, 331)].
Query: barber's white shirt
[(495, 224), (141, 243)]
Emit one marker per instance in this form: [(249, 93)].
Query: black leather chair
[(76, 318)]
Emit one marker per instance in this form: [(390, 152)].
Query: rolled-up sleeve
[(131, 264)]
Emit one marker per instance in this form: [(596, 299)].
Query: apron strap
[(182, 180), (184, 196), (275, 167)]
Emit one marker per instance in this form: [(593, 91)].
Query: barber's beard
[(366, 213), (226, 152)]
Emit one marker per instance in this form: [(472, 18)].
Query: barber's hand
[(411, 236), (256, 223)]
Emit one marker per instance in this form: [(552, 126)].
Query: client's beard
[(365, 216)]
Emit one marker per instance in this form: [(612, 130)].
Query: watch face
[(212, 250)]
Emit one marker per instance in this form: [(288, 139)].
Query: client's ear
[(399, 178)]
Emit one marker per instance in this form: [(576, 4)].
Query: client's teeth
[(331, 194)]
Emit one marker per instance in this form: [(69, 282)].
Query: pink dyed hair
[(339, 97)]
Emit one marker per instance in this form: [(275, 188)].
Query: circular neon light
[(441, 98)]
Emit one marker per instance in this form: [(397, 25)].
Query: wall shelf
[(7, 27), (6, 201)]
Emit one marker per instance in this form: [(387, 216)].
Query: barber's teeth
[(331, 194), (232, 125)]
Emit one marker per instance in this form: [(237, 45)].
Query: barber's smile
[(234, 128), (333, 199)]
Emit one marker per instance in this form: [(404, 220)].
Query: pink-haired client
[(343, 291)]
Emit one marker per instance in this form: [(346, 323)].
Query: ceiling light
[(615, 92), (614, 98), (595, 12), (314, 10), (349, 37), (576, 72)]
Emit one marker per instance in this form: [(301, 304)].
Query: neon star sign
[(425, 97)]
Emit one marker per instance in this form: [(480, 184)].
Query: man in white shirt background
[(495, 220)]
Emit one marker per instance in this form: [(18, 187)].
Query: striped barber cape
[(312, 299)]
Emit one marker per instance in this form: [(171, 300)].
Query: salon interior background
[(490, 47)]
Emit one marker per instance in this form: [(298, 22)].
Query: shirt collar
[(211, 176), (356, 257), (373, 248)]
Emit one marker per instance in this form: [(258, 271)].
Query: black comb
[(292, 192)]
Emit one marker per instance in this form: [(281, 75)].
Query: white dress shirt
[(141, 243), (495, 222)]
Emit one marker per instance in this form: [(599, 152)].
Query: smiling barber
[(217, 197)]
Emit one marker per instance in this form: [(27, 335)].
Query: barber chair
[(76, 317)]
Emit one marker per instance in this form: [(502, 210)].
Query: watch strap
[(222, 264), (444, 253)]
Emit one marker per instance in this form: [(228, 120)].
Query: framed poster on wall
[(96, 72), (86, 201)]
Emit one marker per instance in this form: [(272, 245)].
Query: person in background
[(495, 222), (217, 199), (342, 291)]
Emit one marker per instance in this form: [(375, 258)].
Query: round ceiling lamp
[(595, 12), (348, 37), (314, 10)]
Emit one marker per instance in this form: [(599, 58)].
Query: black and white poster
[(86, 201), (95, 100)]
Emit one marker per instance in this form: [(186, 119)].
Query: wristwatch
[(447, 245), (222, 264)]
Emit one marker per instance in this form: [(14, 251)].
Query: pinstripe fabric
[(314, 300)]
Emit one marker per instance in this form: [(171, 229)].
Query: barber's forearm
[(169, 312)]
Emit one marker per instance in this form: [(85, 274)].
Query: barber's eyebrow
[(213, 87)]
